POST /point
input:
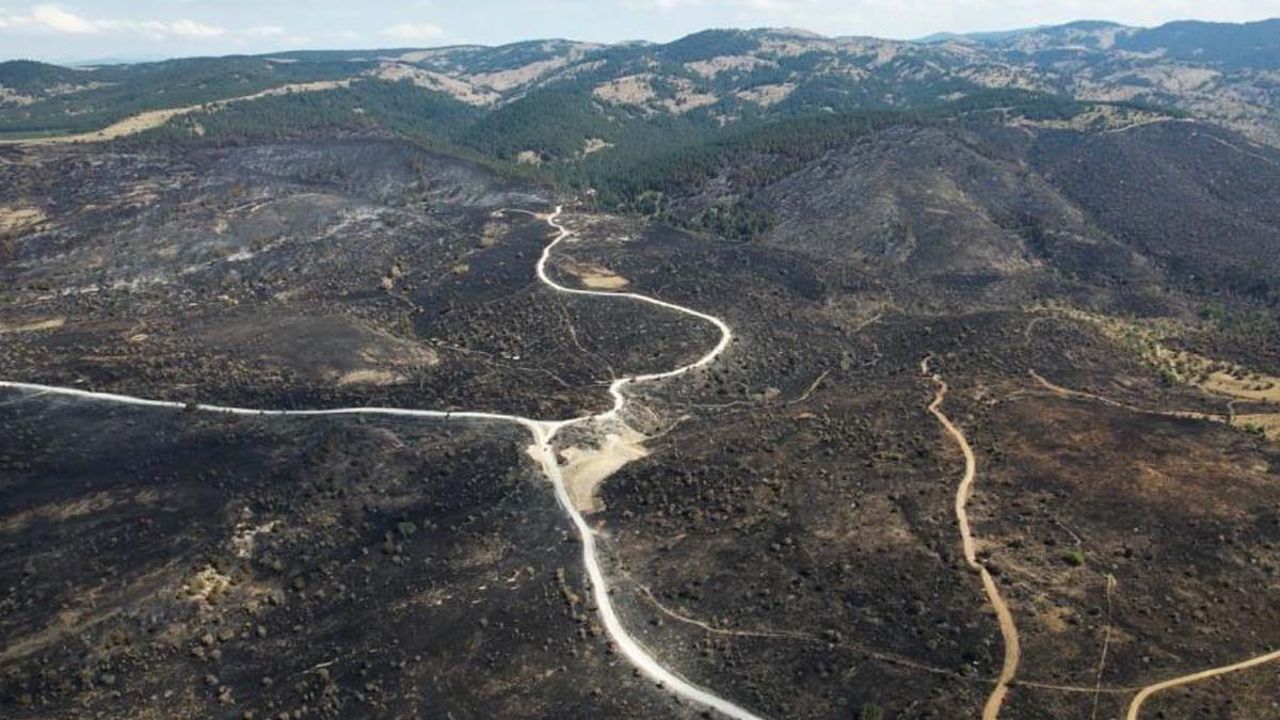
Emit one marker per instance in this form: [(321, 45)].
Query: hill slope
[(1219, 72)]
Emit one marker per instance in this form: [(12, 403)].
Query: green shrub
[(871, 711)]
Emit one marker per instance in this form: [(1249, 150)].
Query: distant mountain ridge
[(998, 36), (1223, 73)]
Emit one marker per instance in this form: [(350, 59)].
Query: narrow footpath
[(1008, 629)]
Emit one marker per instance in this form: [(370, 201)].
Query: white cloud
[(151, 28), (765, 6), (414, 32), (52, 18), (191, 28), (262, 31), (661, 5), (913, 18), (55, 18), (769, 6)]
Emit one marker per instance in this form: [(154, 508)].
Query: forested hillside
[(698, 131), (714, 79)]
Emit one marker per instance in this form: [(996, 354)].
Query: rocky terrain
[(1094, 284)]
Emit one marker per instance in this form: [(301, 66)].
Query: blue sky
[(73, 30)]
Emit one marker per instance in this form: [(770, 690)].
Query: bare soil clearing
[(587, 467), (594, 276)]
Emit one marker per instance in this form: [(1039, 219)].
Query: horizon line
[(939, 36)]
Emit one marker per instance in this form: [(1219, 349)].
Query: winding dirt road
[(1008, 629), (1135, 707), (544, 433)]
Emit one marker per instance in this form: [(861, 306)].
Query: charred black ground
[(789, 541)]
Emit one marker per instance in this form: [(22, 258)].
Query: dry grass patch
[(1266, 423), (369, 377), (529, 157), (156, 118), (1146, 339), (724, 63), (687, 99), (458, 89), (638, 90), (767, 95), (1103, 117), (1243, 385), (629, 90), (595, 145), (34, 326), (14, 219), (57, 512), (504, 80), (207, 585)]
